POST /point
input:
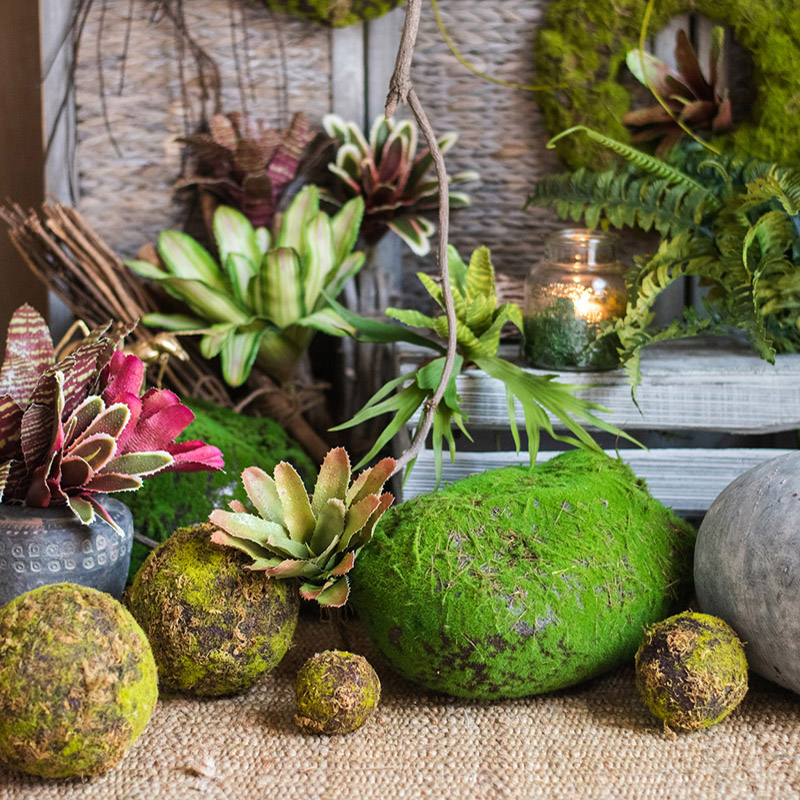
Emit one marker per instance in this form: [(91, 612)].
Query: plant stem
[(401, 90)]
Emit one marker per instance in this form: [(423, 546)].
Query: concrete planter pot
[(39, 546)]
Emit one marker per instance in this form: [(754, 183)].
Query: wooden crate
[(688, 387)]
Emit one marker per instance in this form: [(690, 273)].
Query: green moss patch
[(337, 13), (176, 499), (215, 627), (77, 681), (519, 581), (336, 692), (588, 59), (691, 670)]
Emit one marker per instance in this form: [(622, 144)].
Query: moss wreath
[(583, 44), (335, 13)]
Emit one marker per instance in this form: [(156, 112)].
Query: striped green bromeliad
[(268, 295)]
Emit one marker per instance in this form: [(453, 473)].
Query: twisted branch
[(401, 90)]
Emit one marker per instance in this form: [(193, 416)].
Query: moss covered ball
[(215, 626), (691, 670), (77, 681), (337, 13), (174, 500), (336, 692), (522, 580)]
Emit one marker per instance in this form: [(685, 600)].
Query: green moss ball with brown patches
[(214, 625), (691, 670), (336, 13), (522, 580), (337, 692), (77, 682)]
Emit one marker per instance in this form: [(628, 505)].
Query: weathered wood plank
[(348, 78), (685, 479), (709, 384)]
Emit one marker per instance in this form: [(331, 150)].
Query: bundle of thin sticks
[(64, 252)]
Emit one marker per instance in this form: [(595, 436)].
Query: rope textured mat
[(593, 742)]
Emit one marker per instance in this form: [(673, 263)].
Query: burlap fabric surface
[(587, 743)]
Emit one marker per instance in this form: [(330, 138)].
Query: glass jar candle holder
[(570, 299)]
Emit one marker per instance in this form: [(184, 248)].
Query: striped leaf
[(212, 343), (144, 269), (327, 321), (301, 211), (185, 258), (281, 288), (345, 225), (415, 232), (29, 352), (235, 235), (206, 301), (238, 353), (174, 322), (344, 272), (241, 270), (320, 258)]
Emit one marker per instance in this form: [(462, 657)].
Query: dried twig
[(401, 90)]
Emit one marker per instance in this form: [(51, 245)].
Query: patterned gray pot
[(39, 546)]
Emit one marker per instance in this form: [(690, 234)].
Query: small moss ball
[(337, 692), (214, 625), (691, 670), (77, 682)]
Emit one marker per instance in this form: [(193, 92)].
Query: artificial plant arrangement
[(77, 428), (248, 165), (479, 322), (730, 220), (270, 291), (393, 179), (291, 534)]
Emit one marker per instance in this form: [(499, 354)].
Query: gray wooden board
[(708, 384), (685, 479)]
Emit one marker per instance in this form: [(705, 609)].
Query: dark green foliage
[(176, 499), (522, 580), (732, 222), (587, 59)]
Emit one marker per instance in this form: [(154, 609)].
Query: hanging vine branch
[(401, 90)]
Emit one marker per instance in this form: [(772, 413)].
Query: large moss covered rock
[(77, 681), (519, 581), (215, 627), (176, 499)]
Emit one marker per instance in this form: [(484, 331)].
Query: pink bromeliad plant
[(79, 427)]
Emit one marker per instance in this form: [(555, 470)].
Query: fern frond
[(624, 199), (648, 163)]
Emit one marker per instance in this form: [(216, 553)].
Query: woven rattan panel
[(127, 193)]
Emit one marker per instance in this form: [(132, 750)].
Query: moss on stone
[(336, 692), (215, 627), (691, 670), (337, 13), (588, 59), (519, 581), (176, 499), (77, 681)]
